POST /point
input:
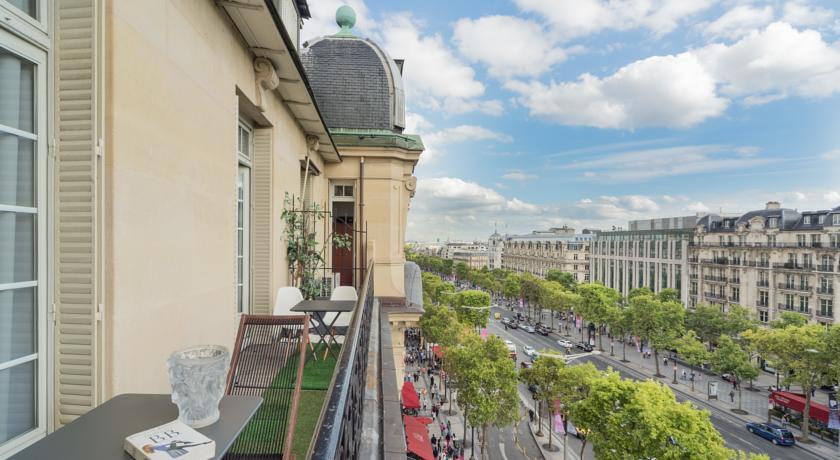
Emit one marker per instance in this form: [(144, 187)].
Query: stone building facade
[(555, 249), (770, 260)]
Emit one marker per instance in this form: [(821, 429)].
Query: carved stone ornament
[(266, 78), (312, 143), (411, 184)]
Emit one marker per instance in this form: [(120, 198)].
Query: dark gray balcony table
[(317, 309), (100, 433)]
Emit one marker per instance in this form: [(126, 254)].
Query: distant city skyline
[(542, 113)]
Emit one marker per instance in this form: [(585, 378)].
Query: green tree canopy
[(470, 308), (598, 304), (669, 295), (658, 322), (692, 350), (707, 321), (788, 318), (439, 325), (806, 355), (567, 280), (730, 358)]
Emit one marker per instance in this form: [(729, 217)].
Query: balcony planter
[(197, 375)]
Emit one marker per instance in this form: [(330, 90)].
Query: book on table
[(168, 441)]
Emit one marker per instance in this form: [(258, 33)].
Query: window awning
[(417, 438), (409, 396), (436, 351), (796, 402)]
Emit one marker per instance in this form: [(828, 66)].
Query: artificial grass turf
[(263, 431)]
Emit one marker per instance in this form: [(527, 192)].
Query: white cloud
[(832, 196), (831, 155), (415, 123), (697, 207), (803, 13), (434, 77), (738, 21), (776, 60), (518, 176), (577, 18), (615, 210), (674, 91), (507, 45), (437, 141), (639, 165), (685, 89)]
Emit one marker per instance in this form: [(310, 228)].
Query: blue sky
[(539, 113)]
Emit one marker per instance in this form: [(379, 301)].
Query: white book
[(169, 441)]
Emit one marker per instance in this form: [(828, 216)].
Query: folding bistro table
[(317, 310), (100, 433)]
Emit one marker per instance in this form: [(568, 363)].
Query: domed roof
[(356, 84)]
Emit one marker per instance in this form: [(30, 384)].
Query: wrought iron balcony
[(757, 263), (712, 295), (735, 280), (826, 268), (794, 308), (795, 287), (828, 290), (793, 266), (762, 283), (715, 279)]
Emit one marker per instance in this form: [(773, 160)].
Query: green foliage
[(462, 270), (486, 381), (567, 280), (788, 318), (669, 295), (439, 325), (691, 349), (598, 304), (303, 251), (737, 321), (475, 314), (806, 354), (658, 322), (637, 292), (628, 419), (511, 286), (730, 358), (708, 321)]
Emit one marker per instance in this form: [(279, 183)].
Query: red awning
[(436, 351), (409, 396), (417, 438), (424, 420), (796, 402)]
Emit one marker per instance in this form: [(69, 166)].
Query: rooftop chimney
[(773, 205)]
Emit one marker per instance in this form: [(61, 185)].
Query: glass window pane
[(17, 247), (17, 324), (17, 400), (17, 170), (29, 7), (17, 96)]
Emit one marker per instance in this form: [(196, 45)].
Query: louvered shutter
[(261, 228), (76, 347)]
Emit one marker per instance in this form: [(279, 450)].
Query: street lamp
[(675, 373)]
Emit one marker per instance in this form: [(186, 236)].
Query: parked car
[(528, 328), (543, 330), (529, 350), (513, 325), (775, 433), (505, 320), (584, 346), (565, 343)]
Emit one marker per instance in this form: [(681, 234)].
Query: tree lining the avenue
[(728, 341)]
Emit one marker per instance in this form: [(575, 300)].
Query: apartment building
[(770, 260), (653, 253), (473, 259), (553, 249), (145, 150), (448, 251)]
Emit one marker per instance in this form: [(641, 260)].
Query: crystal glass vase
[(197, 375)]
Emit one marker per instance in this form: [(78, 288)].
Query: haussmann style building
[(555, 249)]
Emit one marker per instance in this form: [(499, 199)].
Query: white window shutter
[(77, 237), (262, 232)]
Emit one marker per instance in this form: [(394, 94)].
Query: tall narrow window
[(22, 242), (243, 218)]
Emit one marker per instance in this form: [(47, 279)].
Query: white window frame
[(26, 50), (243, 253), (342, 198)]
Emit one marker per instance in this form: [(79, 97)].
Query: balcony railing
[(735, 280), (793, 266), (795, 308), (760, 304), (757, 263), (826, 314), (734, 299), (795, 287), (825, 290), (762, 283), (727, 244), (712, 295), (715, 279), (825, 268), (339, 435)]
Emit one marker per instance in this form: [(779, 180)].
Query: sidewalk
[(572, 452), (456, 420), (754, 401)]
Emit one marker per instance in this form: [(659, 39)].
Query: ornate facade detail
[(266, 78)]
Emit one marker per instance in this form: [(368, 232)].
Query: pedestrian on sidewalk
[(432, 380), (449, 425), (434, 440), (732, 395), (665, 360), (785, 420), (683, 374)]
